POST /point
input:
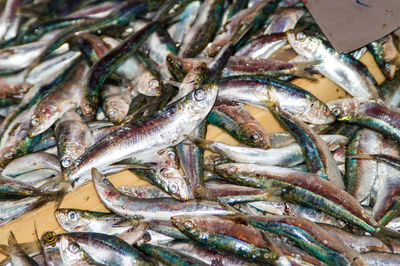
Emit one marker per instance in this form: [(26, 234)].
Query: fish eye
[(65, 162), (173, 188), (34, 121), (87, 109), (106, 181), (171, 155), (336, 111), (188, 224), (199, 95), (255, 136), (111, 112), (74, 248), (72, 215), (301, 36), (9, 155), (231, 170), (154, 84)]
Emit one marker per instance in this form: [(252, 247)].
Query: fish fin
[(126, 223), (202, 143), (141, 166), (4, 249), (134, 235), (360, 156), (172, 82), (12, 241)]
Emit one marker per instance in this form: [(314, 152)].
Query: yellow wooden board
[(85, 197)]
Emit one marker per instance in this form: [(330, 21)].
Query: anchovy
[(148, 209), (293, 99), (342, 69)]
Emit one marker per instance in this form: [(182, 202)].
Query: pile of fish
[(91, 88)]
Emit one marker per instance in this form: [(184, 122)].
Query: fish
[(239, 123), (256, 90), (373, 114), (227, 235), (168, 127), (75, 220), (72, 253), (148, 209), (342, 69), (318, 158), (361, 174), (73, 138)]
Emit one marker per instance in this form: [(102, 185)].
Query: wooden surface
[(85, 197)]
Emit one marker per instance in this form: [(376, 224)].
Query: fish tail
[(4, 249), (384, 234), (12, 240), (304, 70)]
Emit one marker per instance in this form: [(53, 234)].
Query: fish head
[(202, 99), (71, 252), (7, 153), (317, 113), (149, 85), (212, 160), (226, 170), (303, 43), (116, 109), (169, 157), (258, 136), (174, 183), (184, 222), (71, 220), (343, 108), (66, 161), (42, 119), (105, 189)]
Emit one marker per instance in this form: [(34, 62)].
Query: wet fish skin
[(224, 234), (148, 209), (75, 220), (72, 253), (206, 255), (341, 69), (373, 114), (361, 174), (204, 29), (319, 159), (73, 138), (240, 124), (168, 256), (284, 19), (108, 250), (168, 127), (300, 187), (319, 243), (58, 102), (108, 63), (255, 90), (192, 162), (116, 101)]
